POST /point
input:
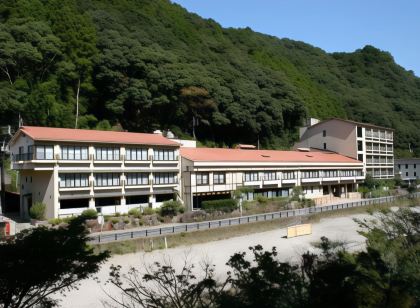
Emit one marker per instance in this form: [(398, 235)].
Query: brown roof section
[(94, 136), (353, 122), (238, 155)]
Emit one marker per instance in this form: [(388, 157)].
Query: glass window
[(107, 179), (74, 153), (159, 154), (269, 175), (74, 180), (251, 176), (164, 178), (202, 178), (44, 152), (288, 175), (137, 178), (136, 154), (107, 153), (219, 178)]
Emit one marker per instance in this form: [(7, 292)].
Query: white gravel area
[(91, 293)]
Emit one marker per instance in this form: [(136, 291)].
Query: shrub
[(37, 211), (225, 205), (171, 208), (134, 212), (89, 214), (55, 221), (261, 199), (126, 220), (117, 214), (114, 220), (148, 211)]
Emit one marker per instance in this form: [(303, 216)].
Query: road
[(91, 293)]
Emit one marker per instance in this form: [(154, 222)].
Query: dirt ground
[(91, 293)]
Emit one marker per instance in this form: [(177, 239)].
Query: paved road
[(91, 293)]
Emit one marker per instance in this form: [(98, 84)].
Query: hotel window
[(202, 178), (74, 180), (324, 133), (136, 154), (415, 166), (359, 131), (406, 174), (164, 178), (325, 146), (251, 176), (415, 173), (360, 157), (359, 145), (269, 175), (74, 153), (107, 179), (44, 152), (289, 175), (219, 178), (107, 153), (330, 173), (310, 174), (137, 179), (164, 154), (406, 166)]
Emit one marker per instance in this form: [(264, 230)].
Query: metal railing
[(213, 224)]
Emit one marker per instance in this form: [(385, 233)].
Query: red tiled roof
[(94, 136), (238, 155)]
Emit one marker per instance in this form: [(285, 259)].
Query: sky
[(333, 25)]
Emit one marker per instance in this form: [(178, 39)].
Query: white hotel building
[(213, 173), (71, 170), (371, 144)]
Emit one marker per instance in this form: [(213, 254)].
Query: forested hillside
[(148, 64)]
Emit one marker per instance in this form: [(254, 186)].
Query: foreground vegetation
[(384, 274), (142, 65), (40, 262)]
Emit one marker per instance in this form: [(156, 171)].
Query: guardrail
[(213, 224)]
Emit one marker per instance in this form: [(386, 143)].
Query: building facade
[(71, 170), (373, 145), (408, 169), (214, 173)]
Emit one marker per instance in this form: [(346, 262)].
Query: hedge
[(225, 205)]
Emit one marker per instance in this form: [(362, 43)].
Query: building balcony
[(311, 180), (79, 188), (272, 182), (289, 181), (253, 183)]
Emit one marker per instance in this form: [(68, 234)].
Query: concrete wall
[(340, 137), (40, 185)]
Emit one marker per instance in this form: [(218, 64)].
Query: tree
[(385, 274), (162, 286), (40, 261)]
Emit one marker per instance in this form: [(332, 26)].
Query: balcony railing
[(23, 157)]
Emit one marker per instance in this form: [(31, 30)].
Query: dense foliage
[(385, 273), (38, 263), (144, 64)]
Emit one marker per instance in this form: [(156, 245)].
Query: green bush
[(148, 211), (225, 205), (171, 208), (55, 221), (262, 199), (115, 220), (37, 211), (89, 214), (134, 211)]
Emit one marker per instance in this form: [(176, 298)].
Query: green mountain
[(148, 64)]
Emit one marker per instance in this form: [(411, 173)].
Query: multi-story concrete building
[(408, 169), (214, 173), (371, 144), (71, 170)]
